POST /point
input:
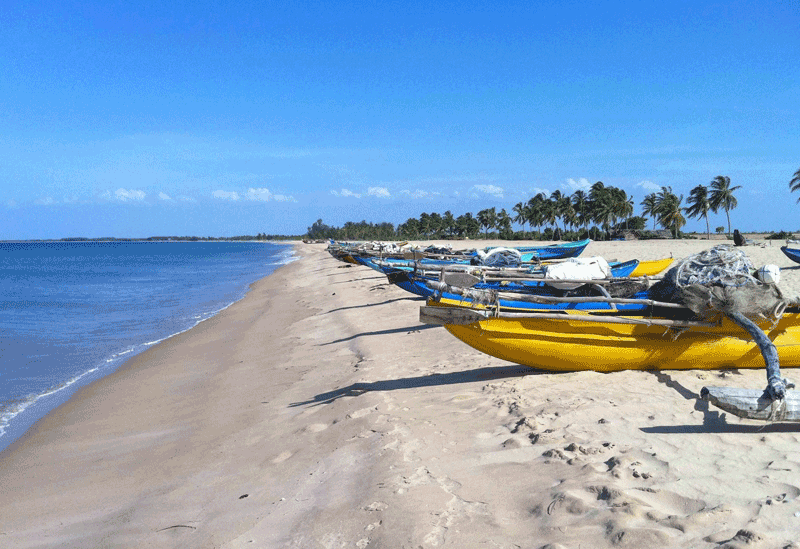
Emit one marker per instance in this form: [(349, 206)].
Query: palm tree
[(722, 196), (623, 206), (448, 222), (504, 224), (536, 210), (649, 207), (488, 219), (548, 211), (522, 215), (699, 205), (580, 203), (794, 184), (560, 204), (669, 211)]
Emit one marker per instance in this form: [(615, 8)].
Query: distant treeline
[(260, 236), (600, 213)]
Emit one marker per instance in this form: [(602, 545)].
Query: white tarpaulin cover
[(577, 268)]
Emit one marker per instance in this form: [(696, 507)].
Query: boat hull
[(651, 268), (576, 345), (791, 253)]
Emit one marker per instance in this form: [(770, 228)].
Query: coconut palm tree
[(669, 211), (699, 206), (794, 184), (580, 203), (549, 212), (448, 222), (649, 207), (722, 196), (561, 203), (623, 206), (504, 224), (522, 215), (536, 210), (488, 219)]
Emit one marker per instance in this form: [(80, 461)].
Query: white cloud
[(70, 199), (415, 194), (11, 204), (126, 195), (380, 192), (186, 199), (345, 192), (649, 186), (225, 195), (164, 196), (262, 195), (492, 190), (46, 201), (579, 184)]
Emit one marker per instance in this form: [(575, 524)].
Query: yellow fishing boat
[(651, 268), (607, 341)]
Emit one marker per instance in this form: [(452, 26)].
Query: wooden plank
[(754, 403), (449, 315), (461, 280)]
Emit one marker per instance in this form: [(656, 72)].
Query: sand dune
[(318, 412)]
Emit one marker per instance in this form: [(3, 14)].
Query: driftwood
[(754, 403)]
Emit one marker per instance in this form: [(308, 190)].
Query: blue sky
[(204, 118)]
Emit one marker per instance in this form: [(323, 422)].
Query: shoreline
[(35, 407), (317, 411)]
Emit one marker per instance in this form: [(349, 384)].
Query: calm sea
[(71, 313)]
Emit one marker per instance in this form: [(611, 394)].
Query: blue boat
[(554, 251), (791, 253), (417, 284)]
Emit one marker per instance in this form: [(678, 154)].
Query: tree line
[(600, 213)]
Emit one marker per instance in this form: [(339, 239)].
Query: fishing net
[(498, 257), (720, 280)]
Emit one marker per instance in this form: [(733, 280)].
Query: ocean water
[(71, 313)]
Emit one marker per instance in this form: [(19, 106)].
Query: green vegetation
[(602, 213), (782, 235)]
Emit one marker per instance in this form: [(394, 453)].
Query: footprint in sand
[(315, 428), (283, 456)]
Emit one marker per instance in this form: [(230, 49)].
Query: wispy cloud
[(46, 201), (380, 192), (345, 192), (649, 186), (11, 204), (414, 194), (126, 195), (264, 195), (491, 190), (579, 184), (226, 195), (164, 196)]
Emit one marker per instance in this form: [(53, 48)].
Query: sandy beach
[(317, 412)]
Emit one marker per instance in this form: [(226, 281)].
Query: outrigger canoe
[(608, 341), (418, 283)]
